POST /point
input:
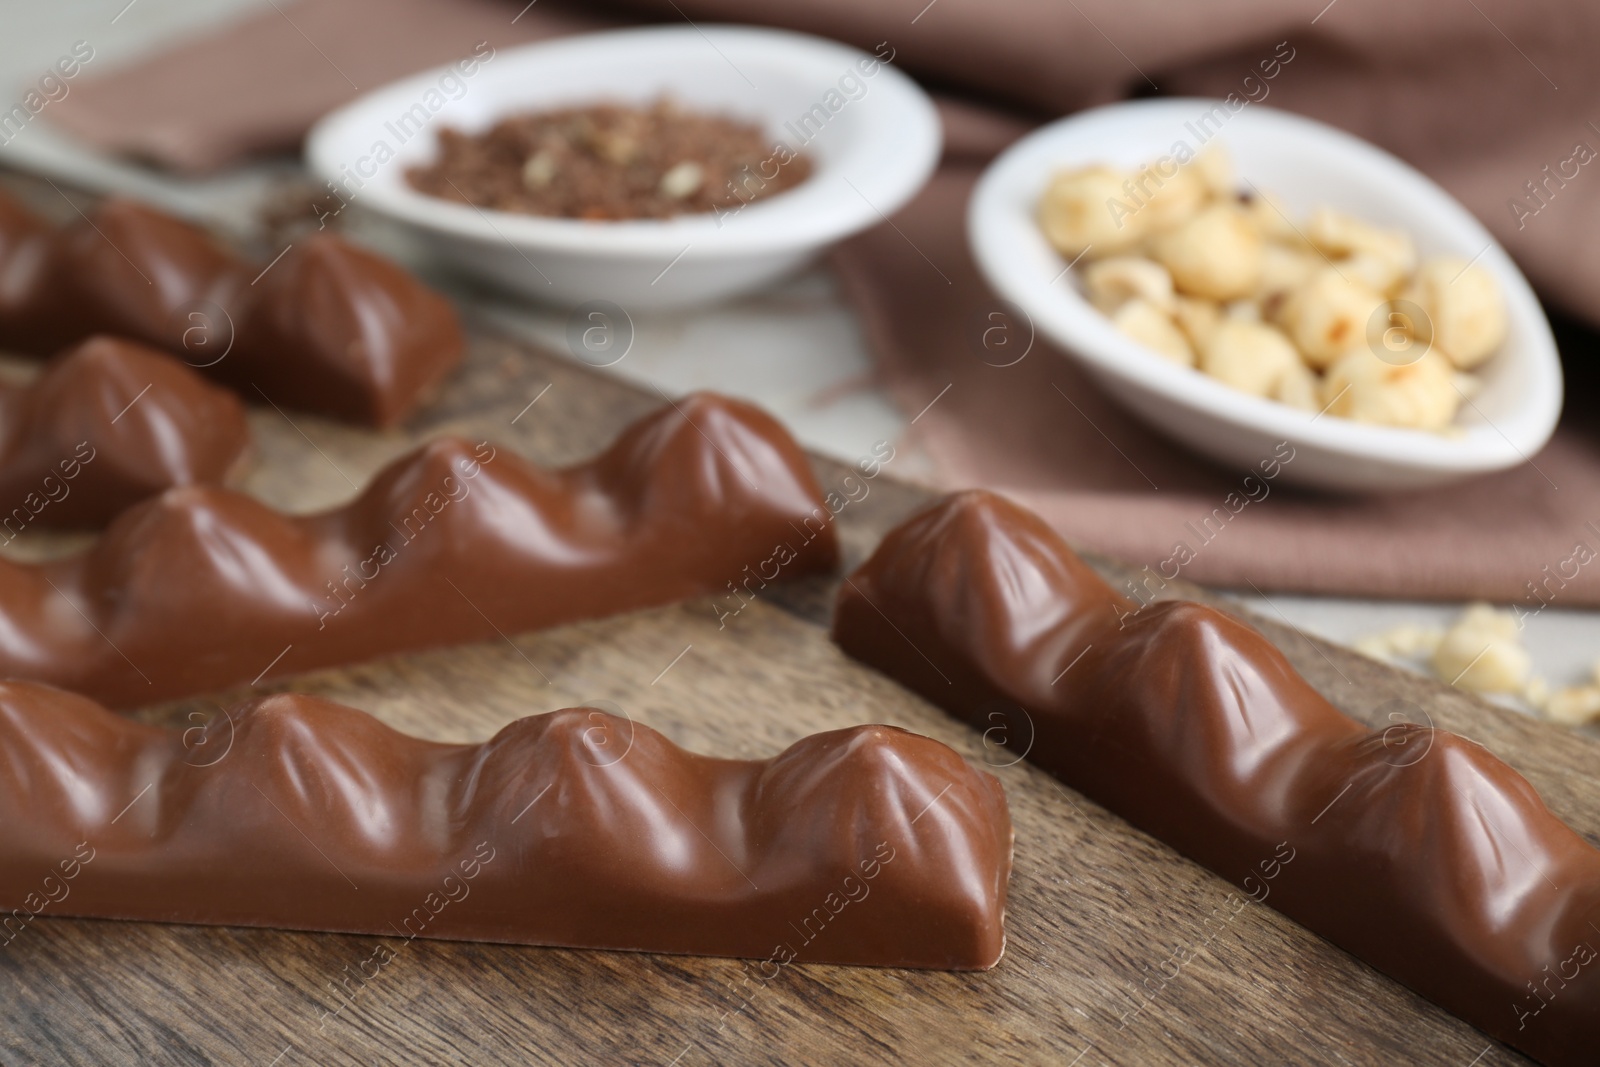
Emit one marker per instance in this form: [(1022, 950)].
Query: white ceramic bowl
[(1304, 164), (874, 143)]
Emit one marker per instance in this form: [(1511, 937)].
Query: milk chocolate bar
[(204, 587), (578, 828), (105, 425), (1414, 849), (328, 328)]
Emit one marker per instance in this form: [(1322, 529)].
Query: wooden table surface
[(1095, 906)]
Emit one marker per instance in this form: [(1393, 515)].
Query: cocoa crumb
[(609, 161)]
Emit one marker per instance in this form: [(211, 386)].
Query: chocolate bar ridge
[(203, 587), (577, 828), (328, 328), (105, 425), (1414, 849)]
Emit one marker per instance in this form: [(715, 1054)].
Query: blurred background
[(199, 107)]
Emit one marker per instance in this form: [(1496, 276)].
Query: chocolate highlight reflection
[(105, 425), (203, 587), (329, 328), (1414, 849), (869, 845)]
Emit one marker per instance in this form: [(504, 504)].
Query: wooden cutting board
[(1097, 909)]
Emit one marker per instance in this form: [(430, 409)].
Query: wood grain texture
[(1095, 905)]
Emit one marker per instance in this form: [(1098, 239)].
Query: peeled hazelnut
[(1112, 282), (681, 180), (1273, 221), (1298, 388), (1339, 235), (1379, 274), (1418, 395), (1250, 356), (1407, 641), (1328, 315), (1169, 199), (617, 146), (1412, 640), (1150, 326), (1285, 269), (1077, 213), (539, 170), (1573, 706), (1216, 254), (1196, 318), (1215, 168), (1465, 311), (1483, 652)]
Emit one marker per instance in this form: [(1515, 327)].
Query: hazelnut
[(1215, 168), (1482, 652), (1196, 318), (1150, 326), (1327, 316), (1573, 706), (1382, 276), (1407, 641), (1112, 282), (1173, 199), (539, 170), (1299, 388), (1339, 235), (1285, 269), (1467, 317), (1079, 211), (1216, 254), (1274, 221), (1250, 356), (1419, 395), (682, 180)]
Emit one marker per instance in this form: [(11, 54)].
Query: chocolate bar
[(1412, 848), (204, 587), (104, 426), (326, 328), (578, 828)]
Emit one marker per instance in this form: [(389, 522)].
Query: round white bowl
[(1304, 164), (873, 144)]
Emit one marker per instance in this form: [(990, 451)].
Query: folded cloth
[(255, 86), (1488, 97)]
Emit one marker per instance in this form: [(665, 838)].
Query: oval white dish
[(872, 134), (1303, 163)]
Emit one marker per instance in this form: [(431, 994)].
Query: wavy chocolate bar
[(204, 587), (328, 328), (578, 828), (104, 426), (1414, 849)]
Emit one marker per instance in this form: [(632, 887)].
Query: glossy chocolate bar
[(1414, 849), (578, 828), (203, 587), (105, 425), (328, 328)]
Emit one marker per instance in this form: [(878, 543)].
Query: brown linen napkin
[(255, 86), (1482, 94)]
